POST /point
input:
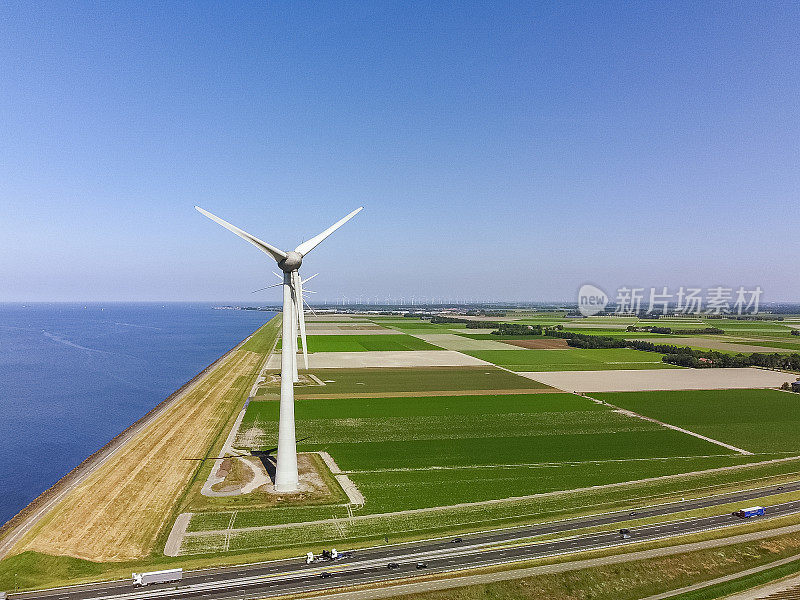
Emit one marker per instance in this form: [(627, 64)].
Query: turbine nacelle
[(292, 262)]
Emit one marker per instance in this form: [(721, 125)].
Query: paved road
[(488, 548)]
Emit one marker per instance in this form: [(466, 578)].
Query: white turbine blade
[(301, 317), (307, 279), (278, 275), (269, 286), (309, 245), (278, 255), (295, 376), (311, 309)]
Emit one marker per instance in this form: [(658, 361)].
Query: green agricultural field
[(737, 327), (452, 407), (414, 452), (366, 343), (431, 379), (737, 323), (617, 333), (600, 443), (789, 346), (754, 420), (322, 319), (389, 318), (491, 336), (573, 359), (404, 490)]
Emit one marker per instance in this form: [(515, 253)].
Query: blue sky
[(502, 150)]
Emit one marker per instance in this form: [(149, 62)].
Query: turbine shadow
[(268, 460)]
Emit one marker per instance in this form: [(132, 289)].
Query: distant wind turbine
[(286, 478)]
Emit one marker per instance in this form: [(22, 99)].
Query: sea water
[(72, 376)]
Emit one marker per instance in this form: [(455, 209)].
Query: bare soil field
[(337, 318), (333, 329), (666, 379), (451, 341), (118, 511), (553, 344), (346, 327), (416, 358)]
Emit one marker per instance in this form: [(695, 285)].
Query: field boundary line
[(630, 413), (230, 528), (351, 489), (548, 464)]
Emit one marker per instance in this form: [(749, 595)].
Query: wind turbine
[(286, 479)]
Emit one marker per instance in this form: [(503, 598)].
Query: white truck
[(166, 576), (325, 556)]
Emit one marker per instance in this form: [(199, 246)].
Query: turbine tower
[(286, 479)]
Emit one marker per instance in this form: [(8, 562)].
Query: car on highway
[(625, 533), (324, 575), (392, 565), (456, 541), (422, 565)]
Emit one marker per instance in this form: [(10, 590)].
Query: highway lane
[(293, 575)]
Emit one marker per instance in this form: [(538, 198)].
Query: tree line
[(669, 330), (683, 356), (470, 323)]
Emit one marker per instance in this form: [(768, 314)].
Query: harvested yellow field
[(117, 512)]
